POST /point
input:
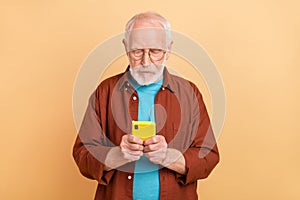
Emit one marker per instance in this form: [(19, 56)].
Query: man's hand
[(157, 151), (131, 147)]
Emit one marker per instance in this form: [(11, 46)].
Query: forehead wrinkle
[(141, 38)]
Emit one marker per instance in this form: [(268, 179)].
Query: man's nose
[(146, 58)]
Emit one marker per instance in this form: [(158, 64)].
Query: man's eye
[(138, 51), (156, 51)]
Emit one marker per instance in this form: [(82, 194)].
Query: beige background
[(255, 45)]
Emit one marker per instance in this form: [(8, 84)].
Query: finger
[(132, 147), (135, 153), (156, 146), (134, 139), (158, 153), (152, 140), (153, 147), (135, 147)]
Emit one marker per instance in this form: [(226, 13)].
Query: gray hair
[(151, 17)]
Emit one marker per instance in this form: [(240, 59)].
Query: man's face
[(147, 52)]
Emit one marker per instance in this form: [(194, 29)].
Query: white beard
[(146, 75)]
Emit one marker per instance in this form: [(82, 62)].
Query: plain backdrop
[(254, 44)]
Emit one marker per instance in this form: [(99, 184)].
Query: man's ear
[(169, 50), (125, 44)]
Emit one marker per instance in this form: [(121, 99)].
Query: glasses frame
[(130, 53)]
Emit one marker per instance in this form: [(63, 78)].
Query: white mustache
[(147, 69), (146, 75)]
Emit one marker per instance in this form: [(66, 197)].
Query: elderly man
[(167, 165)]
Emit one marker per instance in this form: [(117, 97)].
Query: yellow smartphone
[(143, 129)]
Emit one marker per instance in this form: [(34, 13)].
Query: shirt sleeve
[(202, 156), (91, 147)]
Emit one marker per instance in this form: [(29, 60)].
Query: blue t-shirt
[(146, 175)]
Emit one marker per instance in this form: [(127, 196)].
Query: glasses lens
[(137, 54), (156, 54)]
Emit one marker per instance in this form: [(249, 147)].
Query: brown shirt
[(181, 117)]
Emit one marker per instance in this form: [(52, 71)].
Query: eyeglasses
[(154, 54)]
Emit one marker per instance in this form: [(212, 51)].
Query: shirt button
[(129, 177), (163, 88), (134, 98)]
